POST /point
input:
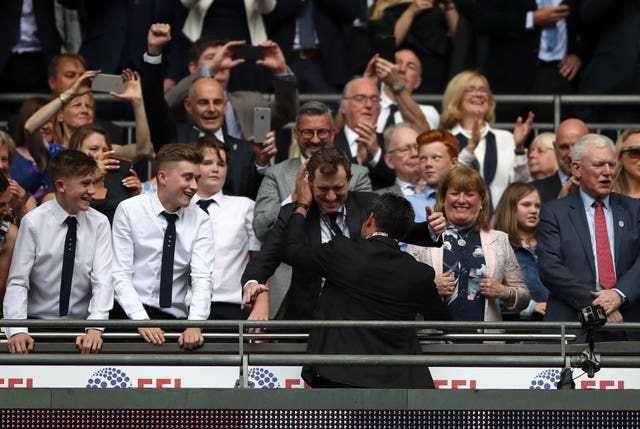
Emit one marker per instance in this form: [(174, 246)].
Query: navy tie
[(333, 217), (67, 264), (393, 108), (204, 205), (168, 251), (490, 156)]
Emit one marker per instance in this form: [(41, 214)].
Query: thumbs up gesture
[(436, 220)]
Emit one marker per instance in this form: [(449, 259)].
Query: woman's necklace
[(462, 240)]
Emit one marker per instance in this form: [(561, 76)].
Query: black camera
[(592, 317)]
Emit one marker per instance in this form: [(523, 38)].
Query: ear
[(59, 185), (192, 67), (51, 81), (224, 109), (387, 160), (454, 162), (575, 169), (162, 177), (187, 105)]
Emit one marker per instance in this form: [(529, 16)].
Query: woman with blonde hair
[(468, 110), (541, 157), (518, 214), (476, 268), (627, 175)]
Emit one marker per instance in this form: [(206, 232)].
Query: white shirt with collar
[(232, 226), (138, 238), (510, 167), (430, 112), (33, 285)]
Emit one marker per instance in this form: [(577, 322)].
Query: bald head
[(568, 133), (206, 104)]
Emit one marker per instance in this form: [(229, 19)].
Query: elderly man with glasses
[(400, 142)]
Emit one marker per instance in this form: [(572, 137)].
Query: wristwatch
[(297, 204), (398, 89)]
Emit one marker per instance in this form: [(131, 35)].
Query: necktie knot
[(170, 217), (204, 204), (72, 222), (598, 204), (333, 223)]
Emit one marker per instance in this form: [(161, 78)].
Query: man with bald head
[(206, 105), (568, 133), (360, 106)]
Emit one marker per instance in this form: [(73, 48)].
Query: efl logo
[(13, 383), (296, 383), (455, 384), (602, 384), (159, 383)]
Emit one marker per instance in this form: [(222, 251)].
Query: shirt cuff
[(529, 21), (249, 281), (152, 59), (204, 71), (262, 169), (288, 75), (376, 159), (622, 295)]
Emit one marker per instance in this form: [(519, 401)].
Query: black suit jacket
[(381, 175), (302, 296), (566, 261), (10, 13), (242, 177), (549, 187), (366, 280), (513, 50), (329, 18)]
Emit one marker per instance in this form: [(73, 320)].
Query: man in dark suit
[(334, 211), (206, 105), (360, 106), (589, 243), (568, 133), (367, 278), (321, 64), (540, 40)]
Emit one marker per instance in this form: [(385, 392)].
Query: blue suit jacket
[(566, 261)]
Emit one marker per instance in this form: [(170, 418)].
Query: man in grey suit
[(314, 130), (212, 56), (401, 155), (589, 243)]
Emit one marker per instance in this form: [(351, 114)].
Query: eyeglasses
[(308, 134), (405, 149), (478, 89), (361, 99), (633, 151)]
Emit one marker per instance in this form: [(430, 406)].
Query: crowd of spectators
[(499, 214)]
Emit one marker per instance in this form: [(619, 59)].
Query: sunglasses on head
[(633, 151)]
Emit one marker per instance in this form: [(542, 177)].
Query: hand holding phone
[(249, 52)]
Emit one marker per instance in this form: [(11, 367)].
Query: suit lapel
[(290, 172), (340, 141), (578, 218), (620, 222)]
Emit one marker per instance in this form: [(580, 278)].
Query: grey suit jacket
[(284, 103), (279, 183)]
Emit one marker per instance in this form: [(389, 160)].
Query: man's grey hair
[(314, 108), (585, 142), (388, 132)]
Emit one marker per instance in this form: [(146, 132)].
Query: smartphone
[(261, 123), (387, 47), (249, 52), (108, 83), (113, 178)]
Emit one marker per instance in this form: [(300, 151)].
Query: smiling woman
[(627, 175), (468, 110), (476, 268)]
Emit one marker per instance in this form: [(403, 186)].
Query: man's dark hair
[(328, 160), (175, 152), (393, 214), (314, 108), (202, 44), (71, 163), (54, 64)]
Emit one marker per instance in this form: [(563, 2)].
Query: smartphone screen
[(113, 178)]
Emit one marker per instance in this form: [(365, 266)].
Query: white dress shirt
[(510, 167), (430, 113), (138, 237), (33, 286), (351, 136), (233, 237)]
